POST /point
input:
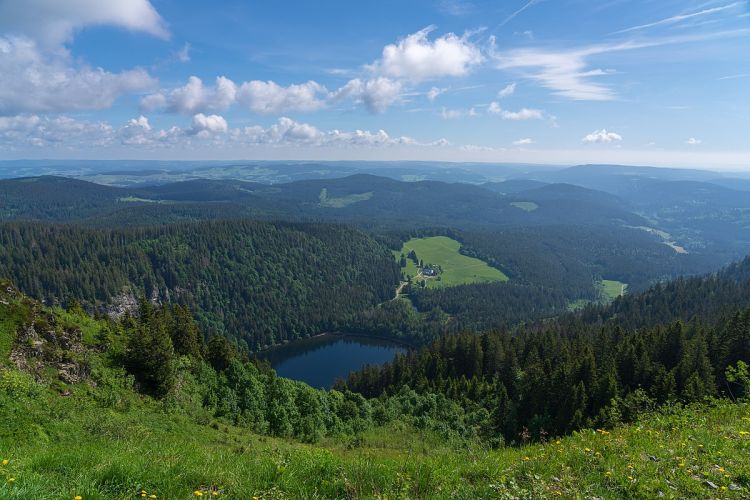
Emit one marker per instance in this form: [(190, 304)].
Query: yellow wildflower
[(525, 459), (197, 493), (608, 473), (78, 497), (5, 461), (11, 479), (152, 496), (723, 488), (630, 477), (587, 450)]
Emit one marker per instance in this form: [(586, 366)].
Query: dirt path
[(400, 289)]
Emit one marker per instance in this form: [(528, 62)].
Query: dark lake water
[(320, 360)]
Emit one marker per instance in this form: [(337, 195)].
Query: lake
[(320, 360)]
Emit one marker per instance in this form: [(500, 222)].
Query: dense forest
[(577, 372), (259, 283)]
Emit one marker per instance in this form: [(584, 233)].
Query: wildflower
[(557, 442), (744, 433), (608, 474), (630, 477), (587, 450), (525, 459), (721, 469), (5, 461), (152, 496), (78, 497), (11, 479), (197, 493), (723, 488)]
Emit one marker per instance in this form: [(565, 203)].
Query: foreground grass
[(457, 269), (63, 446)]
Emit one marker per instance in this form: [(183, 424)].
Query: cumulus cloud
[(193, 97), (507, 90), (53, 22), (375, 94), (263, 97), (29, 130), (601, 136), (417, 58), (523, 142), (290, 132), (523, 114), (269, 97), (206, 126), (31, 81), (693, 141)]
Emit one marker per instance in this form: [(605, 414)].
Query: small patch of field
[(457, 269), (526, 206), (612, 289), (135, 199), (343, 201)]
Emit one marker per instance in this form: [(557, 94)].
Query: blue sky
[(546, 81)]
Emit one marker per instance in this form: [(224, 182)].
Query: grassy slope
[(108, 442), (613, 289), (457, 269), (59, 447)]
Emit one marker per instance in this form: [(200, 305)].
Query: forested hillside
[(578, 371), (101, 409), (259, 283)]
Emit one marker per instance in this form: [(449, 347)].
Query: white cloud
[(693, 141), (507, 90), (289, 132), (205, 126), (523, 142), (434, 92), (416, 58), (193, 97), (24, 131), (568, 73), (601, 136), (523, 114), (376, 94), (269, 97), (263, 97), (565, 73), (31, 81), (54, 22)]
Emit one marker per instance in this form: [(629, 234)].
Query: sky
[(650, 82)]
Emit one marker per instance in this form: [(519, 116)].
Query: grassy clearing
[(343, 201), (135, 199), (613, 289), (59, 447), (457, 269), (526, 206)]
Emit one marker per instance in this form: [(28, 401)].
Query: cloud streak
[(679, 18)]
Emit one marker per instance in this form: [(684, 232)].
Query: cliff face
[(40, 341)]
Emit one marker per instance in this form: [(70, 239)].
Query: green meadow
[(457, 269), (613, 289)]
